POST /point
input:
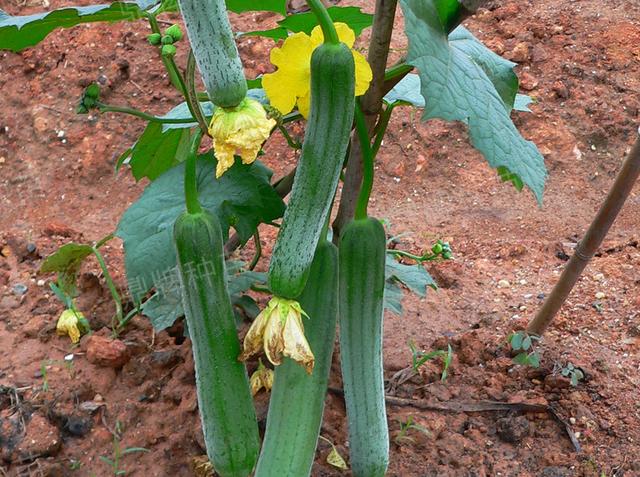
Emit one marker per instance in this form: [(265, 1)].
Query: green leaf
[(521, 359), (239, 6), (414, 277), (534, 360), (457, 88), (393, 296), (242, 197), (498, 70), (165, 306), (526, 343), (522, 103), (406, 91), (516, 341), (305, 22), (20, 32), (66, 261), (156, 152)]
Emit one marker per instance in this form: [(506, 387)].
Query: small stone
[(600, 295), (577, 434), (504, 283), (40, 282), (3, 159), (572, 420), (106, 352), (520, 53), (19, 289), (560, 89), (598, 277), (528, 82)]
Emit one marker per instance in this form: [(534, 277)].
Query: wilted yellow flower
[(240, 130), (69, 324), (261, 378), (291, 83), (279, 330)]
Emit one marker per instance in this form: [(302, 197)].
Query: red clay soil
[(579, 59)]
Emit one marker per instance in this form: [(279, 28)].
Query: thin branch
[(588, 246)]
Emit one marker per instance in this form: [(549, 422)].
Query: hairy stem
[(108, 108), (587, 247), (190, 179), (367, 159), (328, 29), (112, 287), (192, 95)]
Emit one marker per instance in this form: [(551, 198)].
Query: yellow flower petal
[(253, 339), (279, 328), (274, 340), (261, 378), (241, 130), (345, 34), (291, 80), (296, 345), (69, 324), (364, 75)]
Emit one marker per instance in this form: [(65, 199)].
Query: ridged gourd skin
[(362, 251), (215, 50), (323, 152), (224, 397), (297, 399)]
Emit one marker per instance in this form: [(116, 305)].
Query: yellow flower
[(279, 330), (70, 324), (240, 130), (291, 83), (261, 378)]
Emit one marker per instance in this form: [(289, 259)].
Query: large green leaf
[(156, 151), (165, 306), (239, 6), (305, 22), (407, 91), (414, 277), (20, 32), (457, 88), (241, 198)]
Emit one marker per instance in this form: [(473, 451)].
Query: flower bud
[(174, 32), (154, 39), (168, 50)]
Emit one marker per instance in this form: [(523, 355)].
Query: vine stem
[(174, 75), (321, 13), (108, 108), (112, 287), (587, 247), (192, 95), (190, 179), (367, 160)]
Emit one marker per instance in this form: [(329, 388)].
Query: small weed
[(118, 452), (419, 358), (407, 426), (570, 371), (522, 341)]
